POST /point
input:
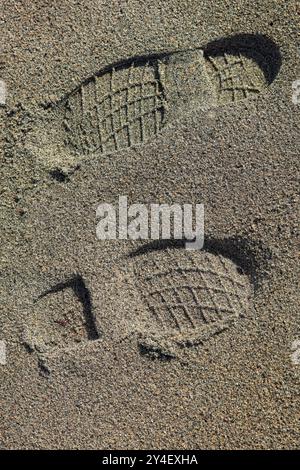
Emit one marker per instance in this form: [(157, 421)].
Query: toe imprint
[(236, 76), (189, 296)]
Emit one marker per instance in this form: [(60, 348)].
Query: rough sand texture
[(118, 344)]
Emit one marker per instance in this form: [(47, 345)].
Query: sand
[(99, 355)]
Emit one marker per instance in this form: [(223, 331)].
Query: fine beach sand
[(123, 344)]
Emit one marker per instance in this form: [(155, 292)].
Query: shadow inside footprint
[(62, 318), (242, 65), (77, 284)]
